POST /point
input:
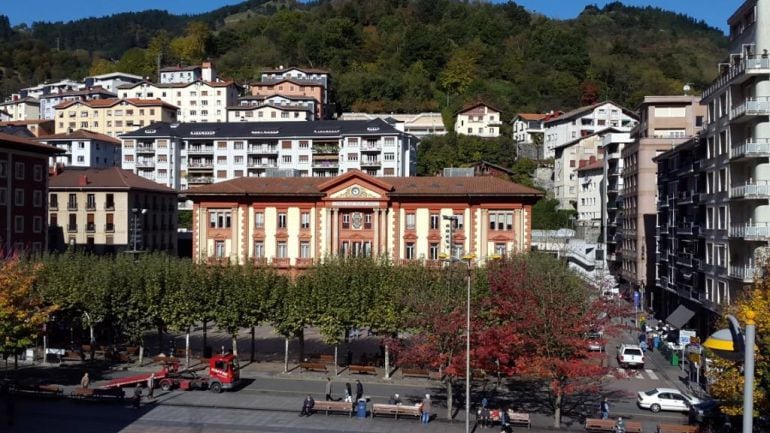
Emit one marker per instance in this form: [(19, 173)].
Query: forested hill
[(392, 55)]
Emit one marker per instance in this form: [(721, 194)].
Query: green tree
[(547, 216)]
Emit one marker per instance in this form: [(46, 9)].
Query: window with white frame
[(37, 224), (433, 251), (721, 251), (282, 220), (220, 219), (501, 249), (435, 220), (37, 173), (18, 197), (304, 250), (709, 289), (259, 220), (219, 249), (18, 224), (281, 250), (709, 253), (411, 221), (710, 218), (723, 297), (501, 221), (37, 198), (19, 171), (259, 249), (389, 156), (305, 220), (409, 251), (722, 220)]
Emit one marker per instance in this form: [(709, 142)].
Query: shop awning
[(680, 317)]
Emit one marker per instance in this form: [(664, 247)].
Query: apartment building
[(21, 109), (188, 74), (112, 116), (23, 188), (84, 148), (567, 160), (49, 101), (294, 81), (527, 126), (36, 92), (111, 81), (665, 122), (281, 107), (478, 119), (33, 128), (193, 154), (420, 125), (584, 121), (109, 210), (290, 223), (198, 101), (612, 212), (590, 176)]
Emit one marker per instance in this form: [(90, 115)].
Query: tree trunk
[(557, 411), (301, 336), (387, 362), (253, 345), (205, 337), (160, 341), (449, 398), (235, 345), (141, 354), (286, 355), (336, 373), (187, 349)]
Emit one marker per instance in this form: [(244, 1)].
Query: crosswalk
[(623, 373)]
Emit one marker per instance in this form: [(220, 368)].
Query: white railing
[(750, 190), (744, 273), (751, 106), (752, 147), (755, 230)]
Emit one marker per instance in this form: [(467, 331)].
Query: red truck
[(224, 373)]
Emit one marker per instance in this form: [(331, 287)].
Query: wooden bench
[(677, 428), (415, 372), (519, 418), (334, 406), (396, 410), (362, 369), (326, 359), (313, 366), (608, 425)]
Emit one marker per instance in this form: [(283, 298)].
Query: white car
[(630, 355), (659, 399)]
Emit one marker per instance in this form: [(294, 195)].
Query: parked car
[(666, 399), (595, 341), (705, 412), (630, 355)]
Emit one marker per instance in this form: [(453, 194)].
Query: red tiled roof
[(104, 178), (109, 102), (592, 165), (286, 80), (472, 105), (12, 141), (82, 134), (25, 122), (176, 85), (532, 116)]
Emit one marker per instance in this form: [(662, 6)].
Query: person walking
[(137, 399), (348, 393), (425, 409), (307, 406), (604, 408), (85, 381), (359, 390), (151, 386), (328, 390)]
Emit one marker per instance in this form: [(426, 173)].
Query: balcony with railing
[(739, 72), (198, 150), (751, 148), (371, 146), (145, 163), (200, 164), (145, 148), (72, 228), (370, 162), (90, 227), (687, 228), (256, 163), (748, 191), (757, 106), (750, 231), (53, 205), (262, 150), (326, 150), (91, 205), (742, 273), (324, 164), (200, 180)]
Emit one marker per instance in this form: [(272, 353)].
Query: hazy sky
[(714, 12)]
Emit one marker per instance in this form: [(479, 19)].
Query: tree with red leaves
[(537, 316)]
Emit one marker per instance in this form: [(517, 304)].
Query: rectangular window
[(37, 198), (411, 220), (19, 171), (305, 220), (91, 201), (409, 251), (219, 249), (286, 159), (18, 197), (721, 251), (286, 144), (3, 169), (259, 249), (434, 221), (281, 251), (389, 156), (723, 180), (37, 173), (18, 224), (722, 220), (345, 221), (501, 250), (501, 221), (109, 202), (709, 253), (304, 250), (723, 297), (709, 218), (259, 220), (433, 251), (3, 197), (282, 220), (220, 219)]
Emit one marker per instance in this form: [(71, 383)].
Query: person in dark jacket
[(307, 406), (359, 390)]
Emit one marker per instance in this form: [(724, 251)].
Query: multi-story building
[(527, 126), (22, 109), (665, 122), (420, 125), (478, 119), (590, 176), (108, 210), (279, 107), (293, 81), (49, 101), (83, 148), (23, 188), (191, 154), (36, 92), (585, 121), (567, 162), (292, 222), (111, 81), (188, 74), (612, 212), (682, 222), (112, 116), (198, 101)]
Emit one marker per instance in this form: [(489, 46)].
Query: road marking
[(652, 374)]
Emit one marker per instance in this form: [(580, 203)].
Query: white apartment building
[(46, 88), (525, 125), (84, 148), (566, 163), (590, 176), (737, 172), (420, 125), (612, 187), (21, 109), (478, 119), (51, 100), (272, 108), (584, 121), (191, 154), (188, 74), (198, 101), (111, 81)]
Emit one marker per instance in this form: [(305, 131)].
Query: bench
[(519, 418), (362, 369), (82, 393), (48, 390), (313, 366), (396, 410), (677, 428), (334, 406), (415, 372), (608, 425), (326, 359)]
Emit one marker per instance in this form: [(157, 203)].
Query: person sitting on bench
[(307, 406)]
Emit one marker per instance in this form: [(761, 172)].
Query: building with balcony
[(111, 81), (420, 125), (49, 102), (191, 154), (21, 109), (273, 108), (585, 121), (292, 222), (478, 119), (112, 116), (664, 123), (83, 148), (197, 101), (23, 188), (612, 203), (109, 210), (297, 82), (527, 126), (188, 74), (590, 176), (46, 88)]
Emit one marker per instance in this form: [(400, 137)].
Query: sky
[(713, 12)]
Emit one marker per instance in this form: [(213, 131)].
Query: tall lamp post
[(729, 343)]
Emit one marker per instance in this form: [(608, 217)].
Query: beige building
[(567, 162), (113, 116), (198, 101), (110, 210), (292, 222), (478, 119), (664, 123), (22, 108)]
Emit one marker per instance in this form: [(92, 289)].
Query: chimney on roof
[(83, 180)]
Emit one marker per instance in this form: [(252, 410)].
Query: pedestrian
[(348, 393), (484, 403), (151, 386), (85, 381), (394, 399), (484, 415), (504, 421), (137, 399), (359, 390), (425, 409), (643, 346), (604, 408), (328, 389), (307, 406)]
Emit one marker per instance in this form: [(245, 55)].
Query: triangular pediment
[(355, 185)]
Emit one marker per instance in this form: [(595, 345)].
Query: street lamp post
[(467, 259)]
